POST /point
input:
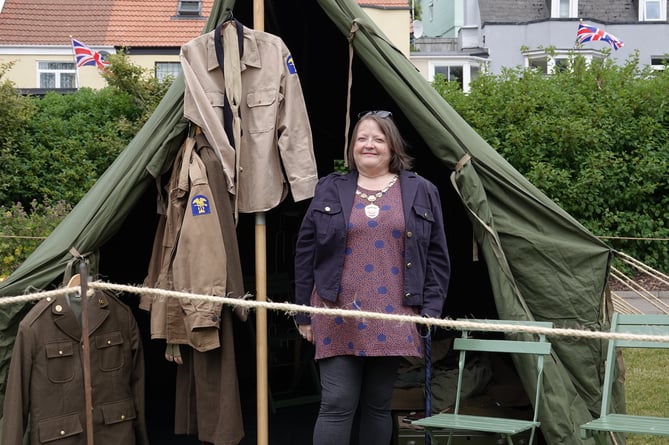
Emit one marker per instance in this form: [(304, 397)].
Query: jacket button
[(425, 215), (409, 265), (409, 234), (327, 209), (62, 433), (407, 295)]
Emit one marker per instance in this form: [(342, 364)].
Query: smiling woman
[(360, 248)]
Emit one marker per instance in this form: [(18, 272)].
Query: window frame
[(169, 72), (548, 62), (471, 68), (643, 9), (659, 63), (555, 9), (189, 8), (58, 72)]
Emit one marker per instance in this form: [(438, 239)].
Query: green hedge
[(593, 137), (54, 148)]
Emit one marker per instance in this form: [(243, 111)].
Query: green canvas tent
[(531, 259)]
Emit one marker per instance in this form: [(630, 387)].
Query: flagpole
[(76, 65), (262, 386)]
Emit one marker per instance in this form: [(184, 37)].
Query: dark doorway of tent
[(292, 373)]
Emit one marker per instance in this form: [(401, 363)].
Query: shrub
[(24, 229), (593, 137)]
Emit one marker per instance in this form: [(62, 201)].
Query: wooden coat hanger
[(74, 281)]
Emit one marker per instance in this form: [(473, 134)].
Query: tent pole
[(261, 331), (262, 386)]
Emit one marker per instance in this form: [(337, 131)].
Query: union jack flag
[(587, 33), (87, 57)]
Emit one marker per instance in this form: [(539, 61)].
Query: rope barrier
[(631, 238), (22, 237), (292, 309), (628, 238)]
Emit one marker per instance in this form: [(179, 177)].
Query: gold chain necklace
[(371, 209)]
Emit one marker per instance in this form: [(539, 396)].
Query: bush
[(15, 115), (54, 148), (24, 229), (593, 137)]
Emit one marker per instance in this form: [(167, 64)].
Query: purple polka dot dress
[(371, 281)]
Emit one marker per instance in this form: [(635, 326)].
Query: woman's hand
[(306, 332)]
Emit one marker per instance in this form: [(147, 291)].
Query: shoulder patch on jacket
[(290, 64), (200, 205)]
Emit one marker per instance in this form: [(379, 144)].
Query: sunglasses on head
[(378, 113)]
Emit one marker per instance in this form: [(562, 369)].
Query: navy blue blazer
[(321, 242)]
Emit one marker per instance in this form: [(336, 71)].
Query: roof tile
[(132, 23), (98, 22)]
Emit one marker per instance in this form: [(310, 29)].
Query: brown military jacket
[(45, 386)]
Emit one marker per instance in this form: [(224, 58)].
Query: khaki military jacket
[(193, 258), (276, 149)]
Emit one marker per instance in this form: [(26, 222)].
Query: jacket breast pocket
[(110, 350), (216, 99), (424, 220), (327, 218), (60, 361), (261, 115)]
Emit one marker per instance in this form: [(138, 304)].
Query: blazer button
[(409, 234), (409, 265), (407, 295), (327, 209), (425, 215)]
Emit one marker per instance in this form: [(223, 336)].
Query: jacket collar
[(66, 320), (250, 58)]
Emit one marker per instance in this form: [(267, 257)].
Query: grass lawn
[(647, 389)]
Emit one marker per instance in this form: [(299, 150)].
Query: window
[(57, 74), (458, 69), (189, 8), (559, 60), (547, 64), (165, 70), (652, 10), (451, 73), (564, 9), (659, 63)]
